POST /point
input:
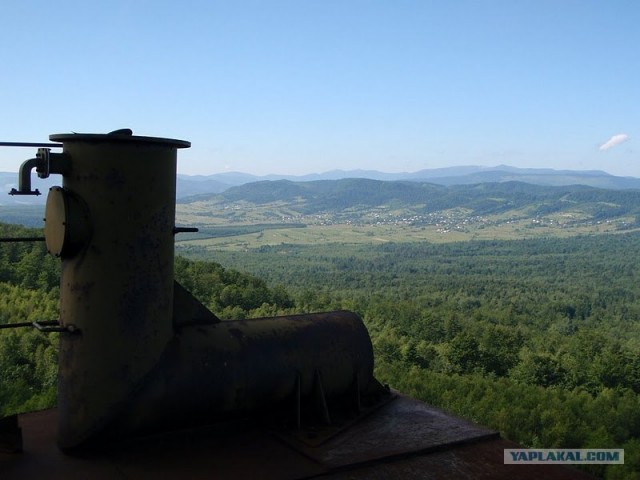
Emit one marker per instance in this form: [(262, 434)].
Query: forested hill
[(420, 197)]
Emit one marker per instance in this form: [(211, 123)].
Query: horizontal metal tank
[(232, 368)]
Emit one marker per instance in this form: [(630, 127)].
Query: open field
[(273, 214), (345, 234), (245, 226)]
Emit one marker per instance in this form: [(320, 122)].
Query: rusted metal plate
[(473, 461), (230, 451), (449, 448), (41, 457), (400, 427)]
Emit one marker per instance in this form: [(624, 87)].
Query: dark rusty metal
[(10, 435), (111, 139), (402, 425), (117, 282), (150, 356), (320, 398), (122, 131), (16, 325), (51, 163), (24, 178), (425, 443), (21, 239), (45, 326), (188, 311), (31, 144), (50, 326), (247, 366), (67, 227), (35, 192), (185, 230)]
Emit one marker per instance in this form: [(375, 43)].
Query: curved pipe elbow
[(24, 178)]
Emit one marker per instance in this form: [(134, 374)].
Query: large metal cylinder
[(117, 289), (209, 373)]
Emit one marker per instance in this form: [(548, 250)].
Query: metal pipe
[(16, 325), (46, 326), (21, 239), (30, 144), (24, 178)]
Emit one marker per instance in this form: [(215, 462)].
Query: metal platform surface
[(403, 439)]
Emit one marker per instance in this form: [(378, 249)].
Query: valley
[(360, 211), (375, 228)]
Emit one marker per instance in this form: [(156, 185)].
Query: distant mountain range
[(190, 185), (354, 196)]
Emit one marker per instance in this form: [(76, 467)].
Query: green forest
[(537, 339)]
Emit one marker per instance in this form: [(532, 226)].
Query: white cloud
[(613, 141)]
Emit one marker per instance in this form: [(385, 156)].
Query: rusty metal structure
[(149, 377), (138, 353)]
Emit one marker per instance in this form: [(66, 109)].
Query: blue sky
[(295, 87)]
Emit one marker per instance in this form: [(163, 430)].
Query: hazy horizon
[(365, 170), (388, 172)]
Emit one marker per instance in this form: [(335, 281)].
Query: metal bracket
[(54, 326), (20, 192)]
